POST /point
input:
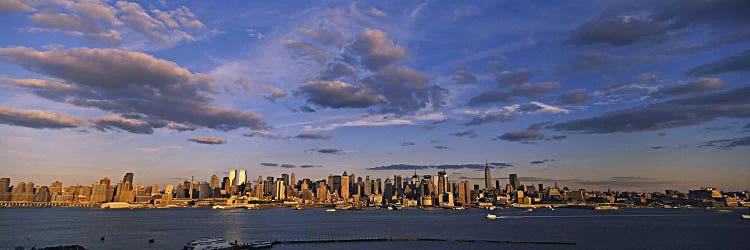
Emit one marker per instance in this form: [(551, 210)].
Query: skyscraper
[(4, 185), (285, 178), (344, 186), (279, 191), (487, 177), (513, 179), (128, 180), (398, 183), (214, 181), (232, 178), (442, 183), (241, 177)]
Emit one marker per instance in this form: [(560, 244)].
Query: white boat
[(491, 208), (330, 210), (530, 209), (208, 244), (746, 216), (491, 216), (458, 208), (551, 209)]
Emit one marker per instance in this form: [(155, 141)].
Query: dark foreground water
[(172, 228)]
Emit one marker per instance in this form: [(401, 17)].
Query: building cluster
[(417, 190)]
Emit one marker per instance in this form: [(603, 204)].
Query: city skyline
[(634, 96)]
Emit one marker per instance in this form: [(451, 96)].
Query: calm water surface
[(172, 228)]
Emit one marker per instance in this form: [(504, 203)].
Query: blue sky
[(632, 95)]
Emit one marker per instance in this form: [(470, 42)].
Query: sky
[(629, 95)]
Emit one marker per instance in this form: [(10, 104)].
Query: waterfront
[(171, 228)]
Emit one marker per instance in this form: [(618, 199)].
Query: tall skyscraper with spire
[(487, 176)]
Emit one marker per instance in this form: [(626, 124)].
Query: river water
[(172, 228)]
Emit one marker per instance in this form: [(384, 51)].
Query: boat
[(261, 244), (458, 208), (551, 208), (151, 241), (530, 209), (207, 244), (331, 210), (606, 207), (491, 208), (491, 216), (746, 216)]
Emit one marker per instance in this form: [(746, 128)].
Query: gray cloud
[(330, 151), (692, 87), (208, 140), (529, 90), (307, 50), (537, 162), (484, 119), (40, 84), (636, 22), (324, 36), (727, 143), (576, 96), (313, 136), (559, 137), (468, 133), (528, 135), (288, 166), (522, 136), (463, 76), (265, 135), (392, 88), (123, 123), (593, 61), (618, 31), (36, 118), (440, 147), (405, 90), (337, 94), (74, 24), (679, 112), (310, 166), (124, 81), (275, 93), (373, 49), (11, 6), (738, 63), (336, 70), (269, 164), (406, 144), (179, 127), (494, 165), (513, 77)]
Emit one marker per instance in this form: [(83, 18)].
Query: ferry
[(208, 244), (331, 210), (261, 244), (491, 216), (746, 216), (606, 207), (530, 210)]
